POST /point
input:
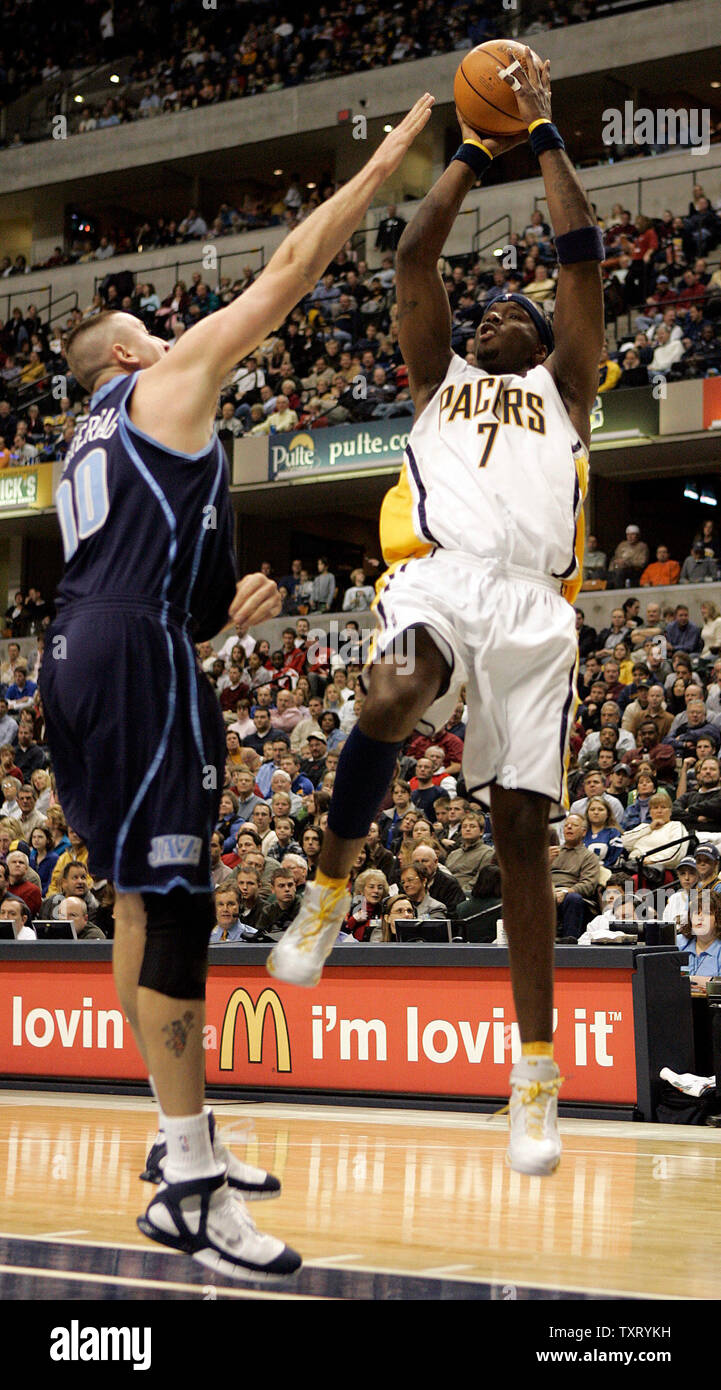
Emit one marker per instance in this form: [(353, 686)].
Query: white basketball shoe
[(205, 1219), (299, 956), (534, 1145)]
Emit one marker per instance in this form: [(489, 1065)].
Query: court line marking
[(327, 1260), (482, 1278), (141, 1284), (557, 1286), (53, 1235), (443, 1269)]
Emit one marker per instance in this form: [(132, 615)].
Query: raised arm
[(196, 368), (424, 313), (578, 319)]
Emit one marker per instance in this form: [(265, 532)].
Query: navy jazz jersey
[(139, 520), (134, 727)]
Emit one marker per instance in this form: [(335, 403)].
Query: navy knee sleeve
[(179, 924), (365, 768)]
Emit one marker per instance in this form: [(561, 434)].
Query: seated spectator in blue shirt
[(229, 821), (278, 747), (330, 725), (228, 927), (245, 808), (637, 812), (682, 635), (603, 835), (426, 792), (300, 785), (43, 856), (21, 693), (703, 942), (325, 291)]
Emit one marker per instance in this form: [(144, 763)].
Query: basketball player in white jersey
[(483, 538)]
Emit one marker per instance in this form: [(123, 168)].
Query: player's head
[(513, 336), (111, 342)]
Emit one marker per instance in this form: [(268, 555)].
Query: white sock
[(190, 1153)]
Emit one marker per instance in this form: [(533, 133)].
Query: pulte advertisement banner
[(378, 443), (417, 1031)]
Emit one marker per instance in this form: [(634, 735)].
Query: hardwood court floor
[(634, 1210)]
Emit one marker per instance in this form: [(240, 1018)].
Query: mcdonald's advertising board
[(417, 1031)]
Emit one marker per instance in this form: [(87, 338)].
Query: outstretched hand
[(256, 599), (395, 146)]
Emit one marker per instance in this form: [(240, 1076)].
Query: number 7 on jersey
[(491, 426)]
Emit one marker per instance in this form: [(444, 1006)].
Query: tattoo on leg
[(177, 1032)]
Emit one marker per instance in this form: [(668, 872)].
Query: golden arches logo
[(254, 1015)]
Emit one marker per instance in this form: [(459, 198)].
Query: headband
[(541, 323)]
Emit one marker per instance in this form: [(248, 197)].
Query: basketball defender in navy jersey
[(135, 732)]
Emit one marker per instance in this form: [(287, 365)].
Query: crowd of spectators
[(44, 874), (644, 782), (630, 566), (288, 204), (337, 357), (284, 205), (657, 271), (242, 49)]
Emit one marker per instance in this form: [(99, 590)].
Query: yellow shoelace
[(529, 1094), (532, 1094), (309, 934)]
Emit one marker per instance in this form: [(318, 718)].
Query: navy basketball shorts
[(137, 743)]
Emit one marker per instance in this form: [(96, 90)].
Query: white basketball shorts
[(510, 637)]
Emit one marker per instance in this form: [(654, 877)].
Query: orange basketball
[(485, 100)]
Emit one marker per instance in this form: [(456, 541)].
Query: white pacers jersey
[(493, 468)]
